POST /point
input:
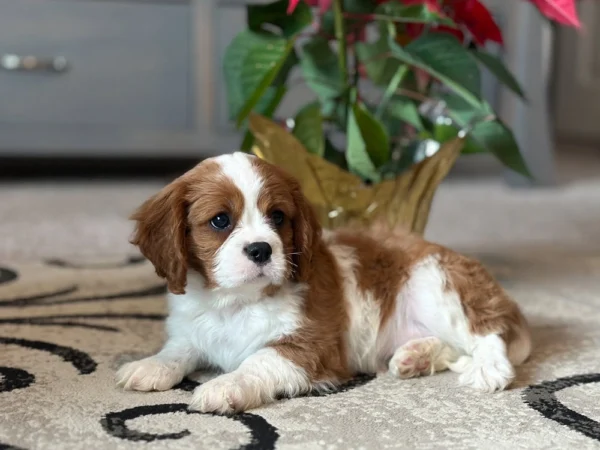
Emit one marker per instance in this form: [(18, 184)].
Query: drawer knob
[(14, 63)]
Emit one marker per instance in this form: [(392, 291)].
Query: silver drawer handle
[(16, 63)]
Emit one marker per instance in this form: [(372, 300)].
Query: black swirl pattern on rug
[(9, 447), (80, 360), (542, 398), (263, 435), (14, 379), (7, 275), (129, 261), (45, 299), (72, 320)]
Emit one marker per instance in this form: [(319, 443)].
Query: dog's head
[(238, 221)]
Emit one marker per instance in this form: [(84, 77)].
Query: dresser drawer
[(128, 63)]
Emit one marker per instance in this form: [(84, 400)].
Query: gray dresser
[(98, 77)]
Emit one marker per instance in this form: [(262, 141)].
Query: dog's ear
[(160, 233), (307, 231)]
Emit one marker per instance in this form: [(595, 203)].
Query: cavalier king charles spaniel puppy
[(281, 307)]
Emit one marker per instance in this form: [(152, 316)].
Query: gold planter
[(341, 198)]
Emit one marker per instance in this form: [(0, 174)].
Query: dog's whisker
[(292, 263)]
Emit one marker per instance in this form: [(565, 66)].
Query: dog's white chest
[(226, 336)]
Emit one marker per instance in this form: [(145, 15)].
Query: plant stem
[(412, 94), (340, 36), (391, 89), (356, 75)]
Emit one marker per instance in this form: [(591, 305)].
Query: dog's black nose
[(259, 252)]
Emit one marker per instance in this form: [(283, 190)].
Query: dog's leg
[(257, 381), (487, 366), (431, 301), (162, 371), (423, 356)]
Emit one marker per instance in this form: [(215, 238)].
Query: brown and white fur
[(323, 307)]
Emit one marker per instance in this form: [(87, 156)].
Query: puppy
[(281, 307)]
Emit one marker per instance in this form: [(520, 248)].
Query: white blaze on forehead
[(233, 269), (239, 168)]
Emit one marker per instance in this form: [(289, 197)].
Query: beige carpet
[(75, 301)]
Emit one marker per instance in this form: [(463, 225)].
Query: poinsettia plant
[(392, 79)]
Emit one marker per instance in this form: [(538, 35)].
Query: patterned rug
[(66, 325)]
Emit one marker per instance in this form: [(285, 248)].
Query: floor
[(74, 305)]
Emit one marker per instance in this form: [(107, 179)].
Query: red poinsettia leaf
[(478, 20), (414, 29), (324, 5), (292, 6), (562, 11)]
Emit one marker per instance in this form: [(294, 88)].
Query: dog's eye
[(220, 221), (277, 217)]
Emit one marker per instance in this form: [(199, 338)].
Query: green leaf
[(356, 153), (272, 105), (400, 13), (380, 68), (463, 113), (261, 66), (497, 138), (321, 70), (374, 135), (334, 110), (405, 110), (246, 45), (492, 135), (499, 70), (276, 14), (368, 143), (390, 90), (443, 57), (289, 64), (233, 61), (247, 142), (444, 133), (308, 128)]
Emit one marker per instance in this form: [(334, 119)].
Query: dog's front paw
[(149, 374), (225, 394)]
